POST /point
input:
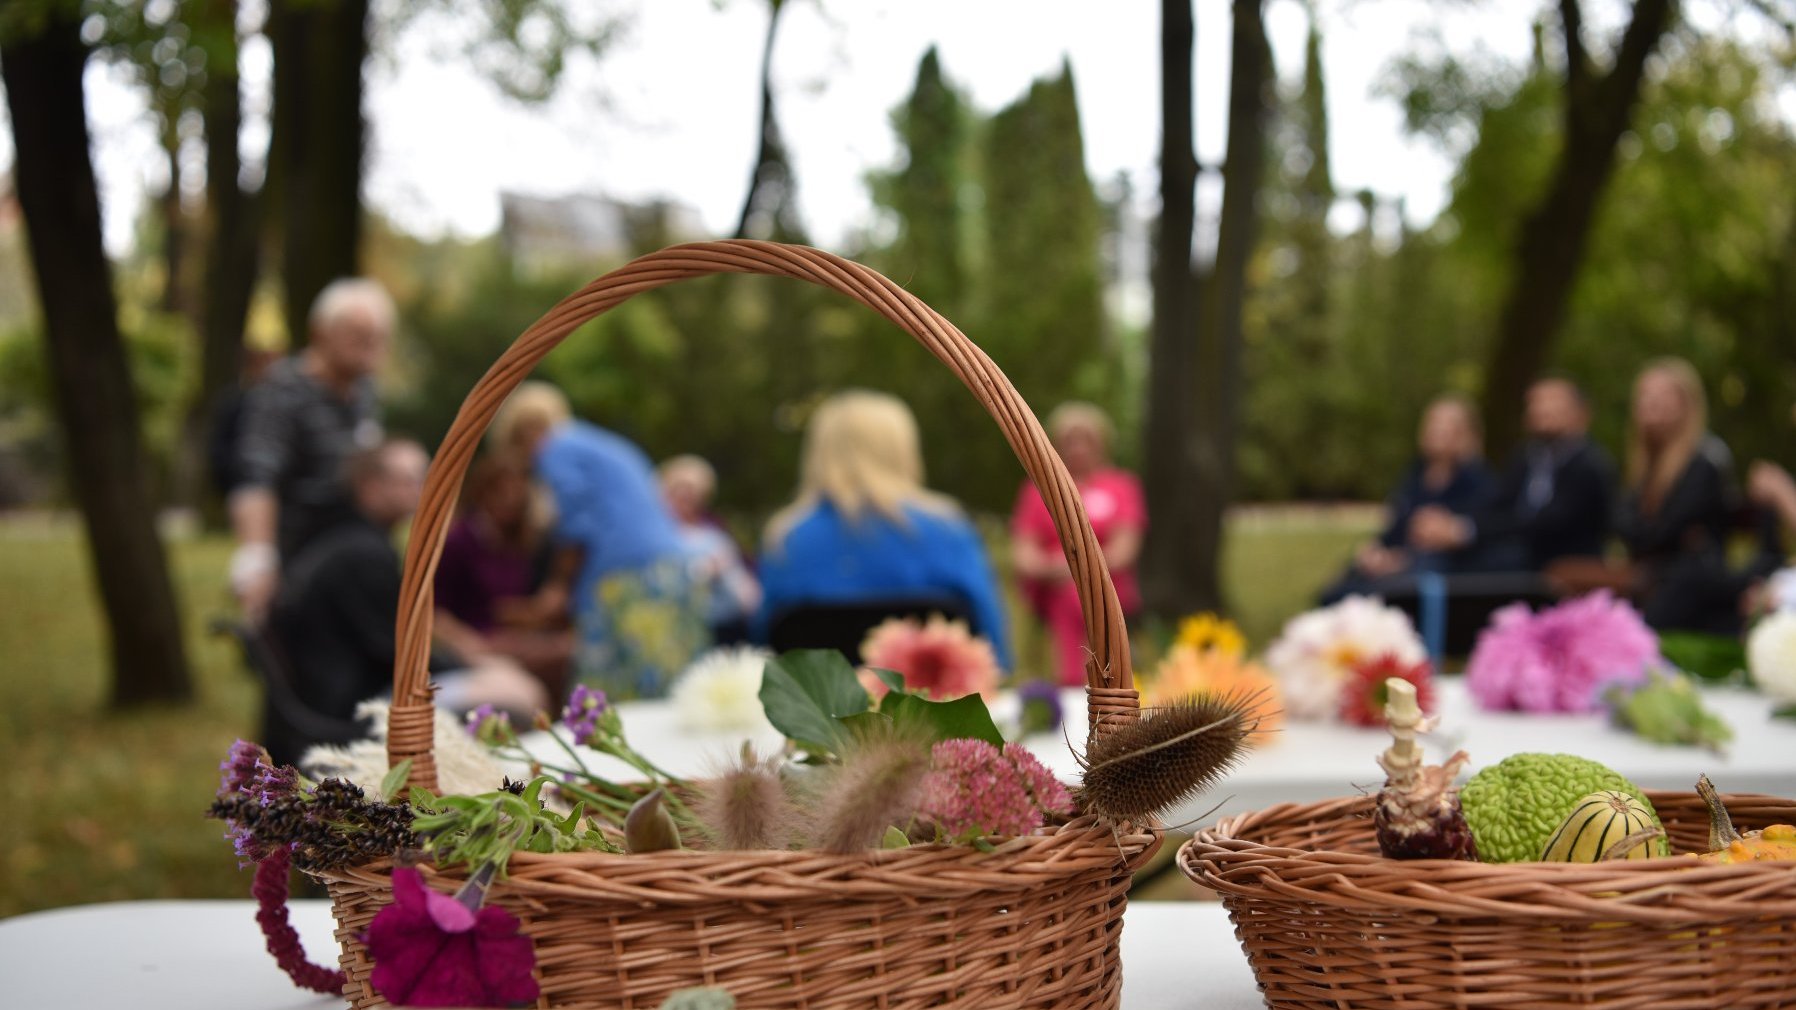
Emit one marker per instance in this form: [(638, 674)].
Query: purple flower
[(1041, 706), (487, 724), (241, 767), (1560, 659), (433, 950), (584, 708)]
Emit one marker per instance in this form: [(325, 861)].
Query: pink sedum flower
[(939, 658), (433, 950), (974, 789), (1560, 659)]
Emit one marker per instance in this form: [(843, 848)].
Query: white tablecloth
[(200, 955), (1316, 761)]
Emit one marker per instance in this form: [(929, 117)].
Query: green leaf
[(895, 839), (1784, 712), (395, 780), (962, 718), (890, 678), (806, 691)]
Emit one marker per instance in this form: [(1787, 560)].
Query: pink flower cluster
[(973, 789), (1560, 659)]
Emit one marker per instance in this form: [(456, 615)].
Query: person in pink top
[(1118, 511)]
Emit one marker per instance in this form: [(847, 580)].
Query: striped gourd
[(1596, 824)]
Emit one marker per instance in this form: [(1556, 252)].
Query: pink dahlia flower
[(973, 789), (940, 658), (1560, 659)]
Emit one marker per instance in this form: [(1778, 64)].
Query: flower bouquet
[(1333, 662), (1560, 659)]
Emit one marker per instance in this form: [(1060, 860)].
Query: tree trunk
[(233, 243), (1171, 473), (174, 232), (95, 402), (770, 198), (1553, 238), (316, 148), (1225, 295)]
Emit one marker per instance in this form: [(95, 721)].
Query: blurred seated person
[(1678, 509), (731, 590), (1554, 501), (495, 558), (333, 619), (1448, 474), (864, 528), (1118, 510), (619, 567), (299, 425), (1772, 586)]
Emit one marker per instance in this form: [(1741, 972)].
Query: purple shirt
[(477, 571)]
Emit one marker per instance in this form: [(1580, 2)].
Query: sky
[(670, 111)]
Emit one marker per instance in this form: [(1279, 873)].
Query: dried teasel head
[(1143, 768)]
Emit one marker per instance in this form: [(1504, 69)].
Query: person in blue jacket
[(863, 526), (620, 567)]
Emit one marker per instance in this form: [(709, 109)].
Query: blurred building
[(553, 234)]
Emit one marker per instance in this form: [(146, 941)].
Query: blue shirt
[(607, 501), (827, 559)]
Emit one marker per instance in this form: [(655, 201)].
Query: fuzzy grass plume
[(1143, 768), (877, 785), (747, 806)]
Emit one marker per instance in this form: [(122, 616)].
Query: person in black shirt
[(333, 619), (1679, 505), (1448, 473), (299, 426), (1554, 502)]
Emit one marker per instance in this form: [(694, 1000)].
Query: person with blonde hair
[(1679, 503), (620, 567), (864, 527), (1118, 510)]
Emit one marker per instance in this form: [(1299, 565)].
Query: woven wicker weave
[(1327, 923), (1034, 923)]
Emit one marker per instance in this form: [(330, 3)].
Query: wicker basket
[(1327, 923), (1034, 923)]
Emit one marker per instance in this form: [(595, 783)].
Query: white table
[(182, 955), (1316, 761)]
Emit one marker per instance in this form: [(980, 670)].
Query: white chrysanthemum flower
[(1318, 649), (1771, 655), (464, 765), (721, 691)]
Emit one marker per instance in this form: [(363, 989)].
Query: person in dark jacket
[(1555, 499), (1448, 473), (333, 618), (1679, 505)]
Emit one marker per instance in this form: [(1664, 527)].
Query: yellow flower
[(1207, 632), (1187, 671)]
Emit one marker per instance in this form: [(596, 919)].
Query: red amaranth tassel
[(270, 890)]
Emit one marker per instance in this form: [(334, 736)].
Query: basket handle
[(410, 723)]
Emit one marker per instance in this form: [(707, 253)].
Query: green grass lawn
[(106, 806)]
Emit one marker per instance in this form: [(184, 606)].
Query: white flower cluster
[(1316, 651), (721, 691), (1771, 656)]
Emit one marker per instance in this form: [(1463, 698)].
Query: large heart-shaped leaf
[(962, 718), (804, 692)]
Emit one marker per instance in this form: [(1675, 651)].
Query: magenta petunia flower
[(1560, 659), (434, 950), (974, 789)]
